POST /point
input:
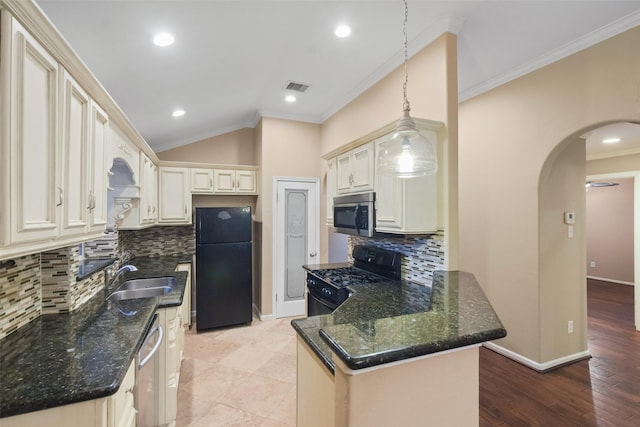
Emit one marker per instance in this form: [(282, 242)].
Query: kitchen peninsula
[(396, 353)]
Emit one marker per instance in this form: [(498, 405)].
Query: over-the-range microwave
[(355, 214)]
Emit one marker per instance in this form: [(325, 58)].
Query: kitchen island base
[(440, 390), (315, 390)]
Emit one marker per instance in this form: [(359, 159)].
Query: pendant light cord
[(405, 104)]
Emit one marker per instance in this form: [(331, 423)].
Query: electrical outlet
[(570, 326), (593, 264)]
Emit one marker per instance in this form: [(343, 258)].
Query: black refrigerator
[(223, 267)]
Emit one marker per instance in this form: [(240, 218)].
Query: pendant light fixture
[(408, 153)]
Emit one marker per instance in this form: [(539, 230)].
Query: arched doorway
[(562, 246)]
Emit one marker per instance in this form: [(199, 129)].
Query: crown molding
[(614, 28)]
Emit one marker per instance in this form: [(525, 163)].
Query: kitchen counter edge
[(326, 335)]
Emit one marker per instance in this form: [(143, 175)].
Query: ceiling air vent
[(296, 86)]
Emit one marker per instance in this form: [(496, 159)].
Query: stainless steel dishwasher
[(147, 400)]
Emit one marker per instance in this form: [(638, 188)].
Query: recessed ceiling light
[(178, 113), (163, 39), (342, 31), (290, 98), (610, 140)]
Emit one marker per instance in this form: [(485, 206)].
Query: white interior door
[(296, 241)]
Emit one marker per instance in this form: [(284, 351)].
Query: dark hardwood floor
[(601, 391)]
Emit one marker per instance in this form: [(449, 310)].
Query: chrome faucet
[(117, 274)]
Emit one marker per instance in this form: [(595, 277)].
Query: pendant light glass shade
[(407, 153)]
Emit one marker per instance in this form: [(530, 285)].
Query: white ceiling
[(231, 59)]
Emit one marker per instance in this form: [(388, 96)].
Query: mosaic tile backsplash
[(46, 283), (19, 293), (157, 241), (104, 247), (61, 291), (422, 254)]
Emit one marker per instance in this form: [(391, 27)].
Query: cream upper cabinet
[(355, 170), (148, 191), (83, 179), (29, 191), (331, 188), (227, 181), (406, 206), (175, 196), (54, 167), (74, 186), (201, 181), (98, 176)]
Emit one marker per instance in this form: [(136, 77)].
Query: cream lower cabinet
[(116, 410), (175, 195), (170, 361), (185, 311)]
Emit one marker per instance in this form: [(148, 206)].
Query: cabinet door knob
[(313, 254), (61, 194)]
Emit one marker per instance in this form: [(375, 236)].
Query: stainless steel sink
[(148, 292), (147, 282), (147, 287)]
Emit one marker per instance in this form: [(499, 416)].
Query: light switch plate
[(569, 217)]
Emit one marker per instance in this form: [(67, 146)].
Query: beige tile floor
[(243, 376)]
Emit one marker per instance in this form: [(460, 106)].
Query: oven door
[(317, 306)]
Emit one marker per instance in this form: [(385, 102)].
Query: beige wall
[(610, 231), (506, 136), (614, 164), (286, 149), (563, 291), (432, 91), (233, 148)]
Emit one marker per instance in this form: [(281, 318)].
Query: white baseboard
[(540, 367), (604, 279), (262, 317)]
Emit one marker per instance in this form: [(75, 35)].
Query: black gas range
[(330, 287)]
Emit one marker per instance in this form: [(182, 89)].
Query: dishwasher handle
[(148, 357)]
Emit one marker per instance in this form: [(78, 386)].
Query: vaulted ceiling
[(231, 60)]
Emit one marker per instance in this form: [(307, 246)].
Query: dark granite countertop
[(396, 320), (59, 359)]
